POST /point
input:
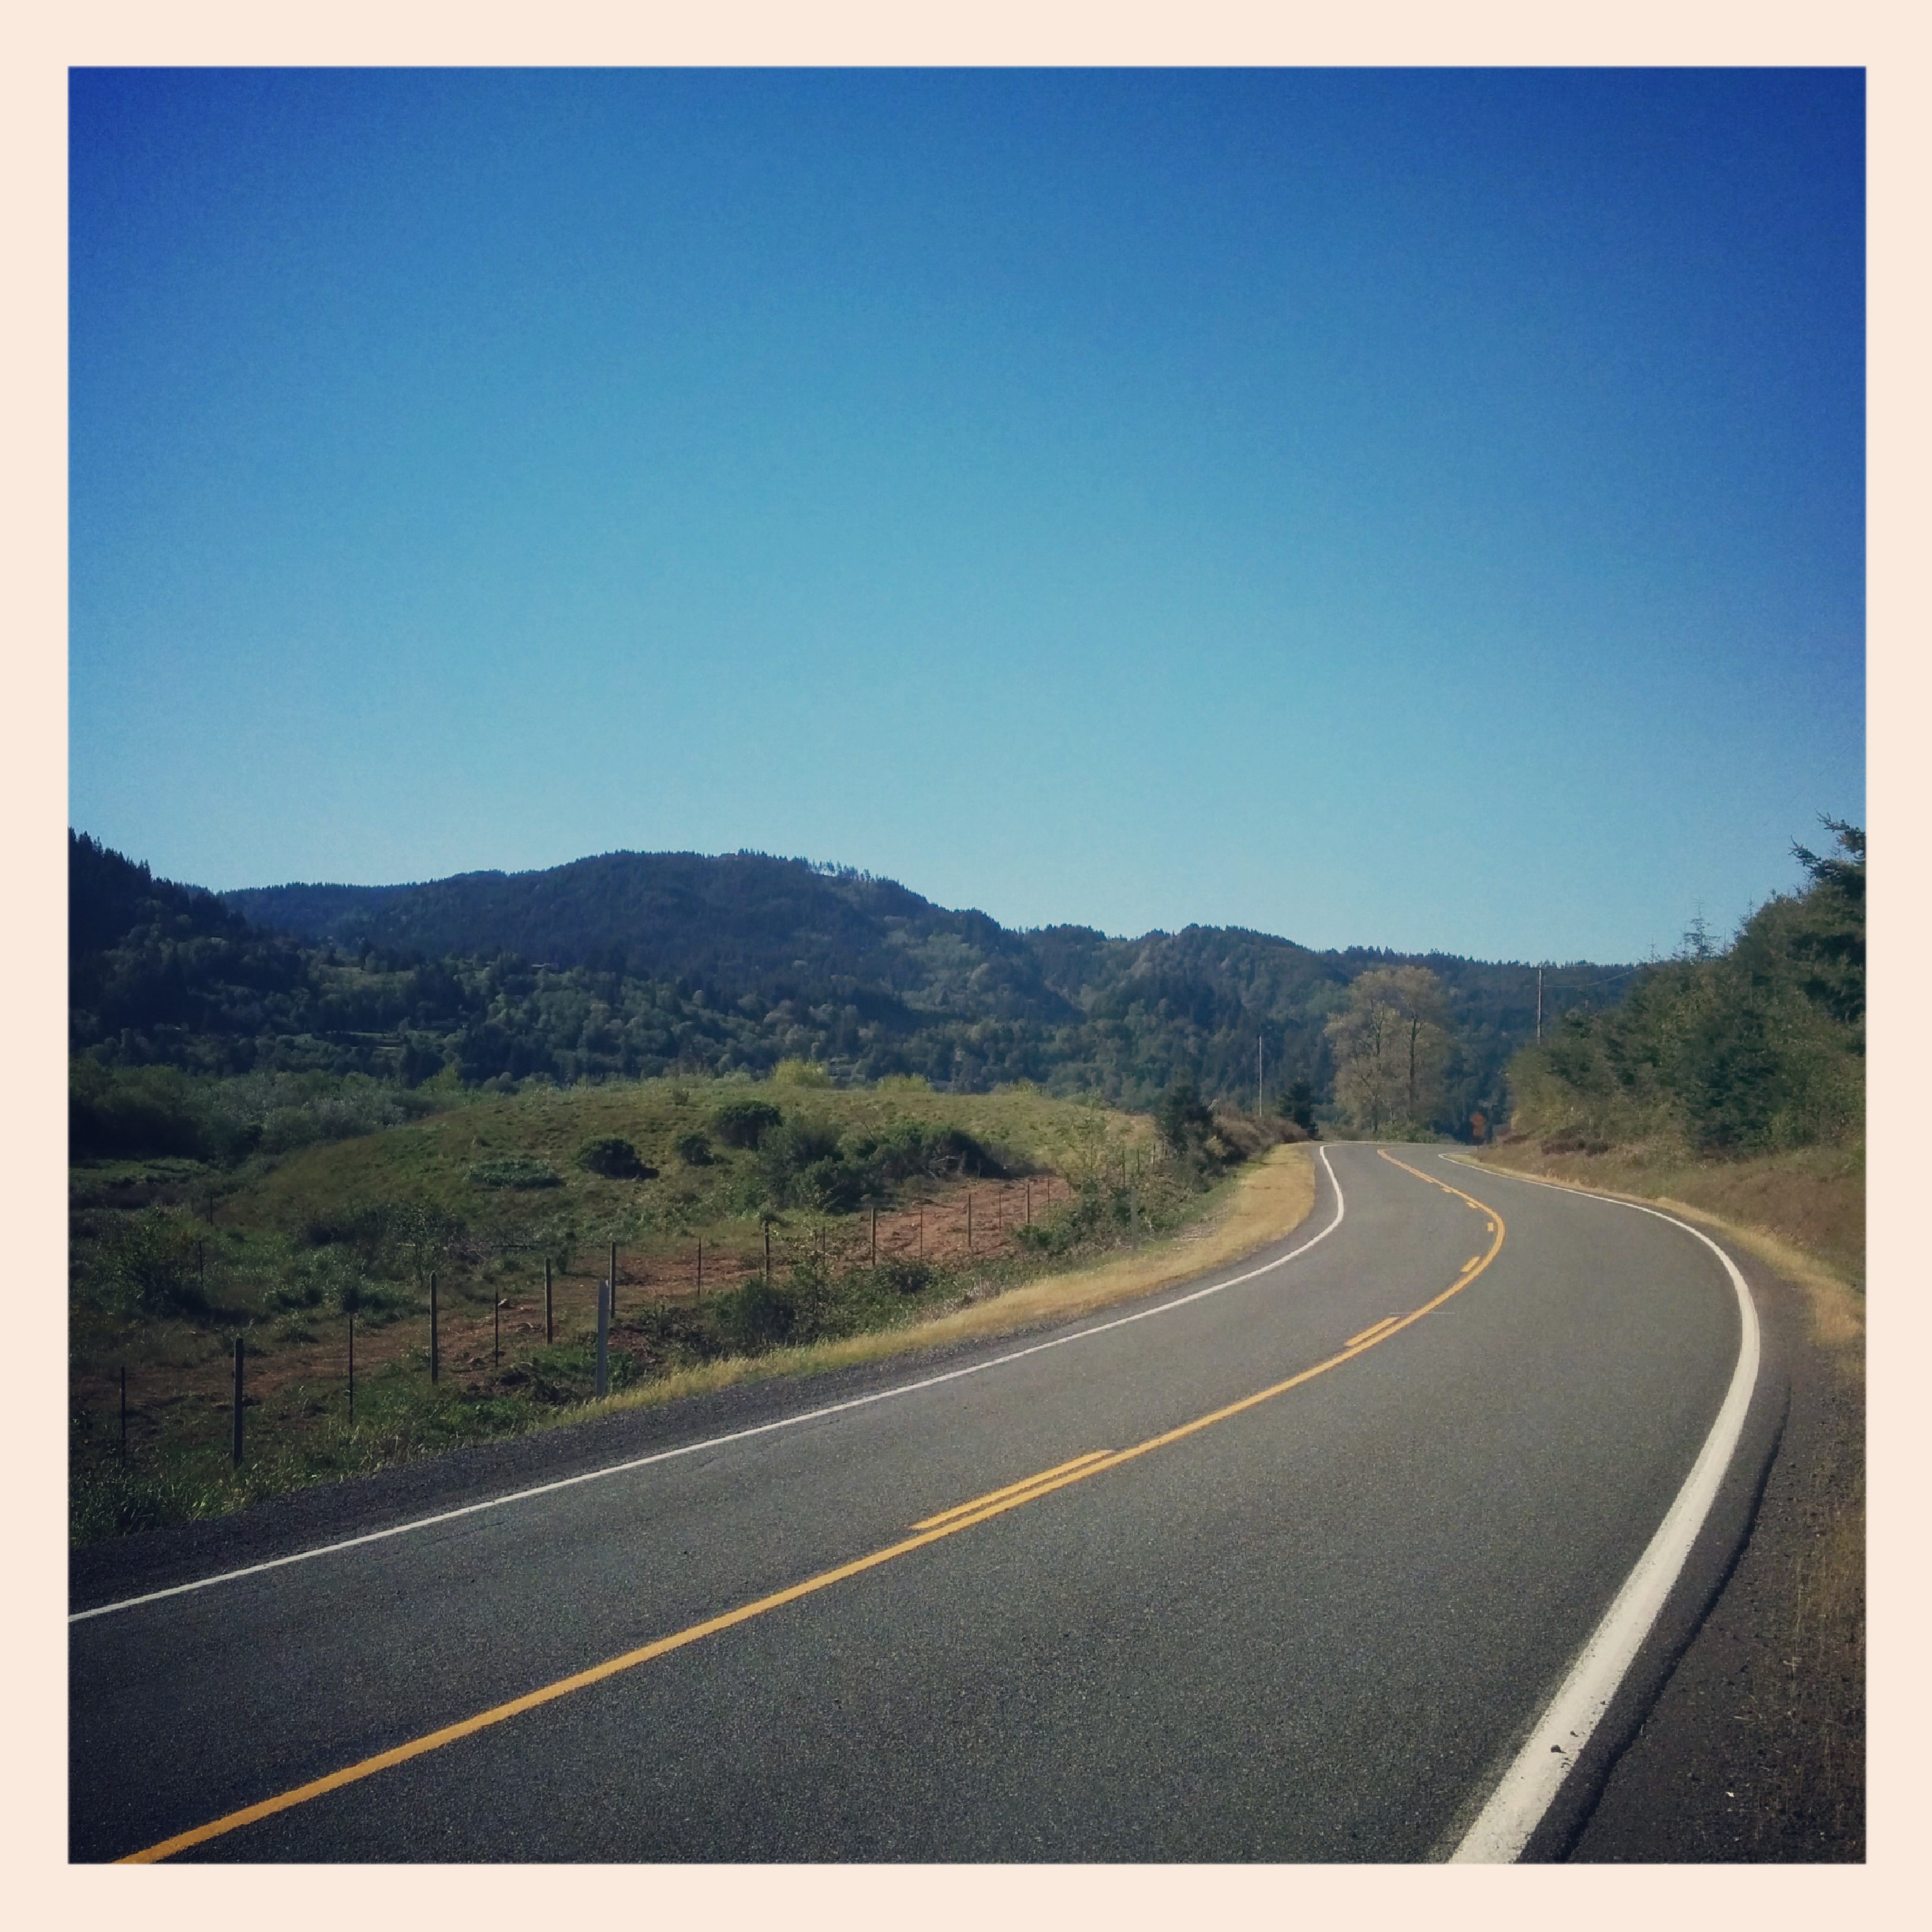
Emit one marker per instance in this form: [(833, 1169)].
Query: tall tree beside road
[(1756, 1046), (1391, 1047)]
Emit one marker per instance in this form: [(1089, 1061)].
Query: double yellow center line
[(931, 1529)]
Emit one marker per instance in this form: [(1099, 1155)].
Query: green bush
[(132, 1111), (693, 1149), (613, 1157), (744, 1123), (150, 1264), (806, 1163)]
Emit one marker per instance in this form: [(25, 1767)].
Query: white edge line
[(1529, 1786), (718, 1442)]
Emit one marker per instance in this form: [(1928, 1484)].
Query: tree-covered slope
[(742, 923), (1757, 1046), (634, 964)]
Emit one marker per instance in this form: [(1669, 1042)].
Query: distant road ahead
[(1317, 1625)]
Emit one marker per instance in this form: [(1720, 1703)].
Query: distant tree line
[(633, 965)]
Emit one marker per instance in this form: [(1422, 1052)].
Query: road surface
[(1285, 1564)]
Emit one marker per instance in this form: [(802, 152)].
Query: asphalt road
[(1316, 1628)]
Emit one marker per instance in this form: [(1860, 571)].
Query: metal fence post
[(549, 1325), (352, 1367), (435, 1365), (603, 1339)]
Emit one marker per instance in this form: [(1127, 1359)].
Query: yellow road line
[(994, 1495), (997, 1503), (1373, 1328)]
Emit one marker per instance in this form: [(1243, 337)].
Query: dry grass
[(1270, 1199)]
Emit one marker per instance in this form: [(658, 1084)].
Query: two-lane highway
[(1285, 1564)]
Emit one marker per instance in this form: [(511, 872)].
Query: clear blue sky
[(1417, 509)]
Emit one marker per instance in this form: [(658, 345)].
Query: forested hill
[(739, 924), (633, 964)]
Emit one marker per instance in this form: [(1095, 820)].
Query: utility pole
[(1257, 1076), (1539, 1005)]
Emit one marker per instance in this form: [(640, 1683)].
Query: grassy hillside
[(749, 1217)]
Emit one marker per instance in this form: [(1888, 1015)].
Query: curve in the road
[(1521, 1791), (947, 1523), (1529, 1788)]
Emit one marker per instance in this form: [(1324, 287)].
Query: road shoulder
[(1752, 1749)]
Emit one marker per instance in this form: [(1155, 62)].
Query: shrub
[(800, 1073), (744, 1123), (693, 1149), (150, 1266), (1183, 1117), (613, 1157), (758, 1316), (132, 1110)]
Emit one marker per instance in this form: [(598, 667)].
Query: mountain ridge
[(627, 964)]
